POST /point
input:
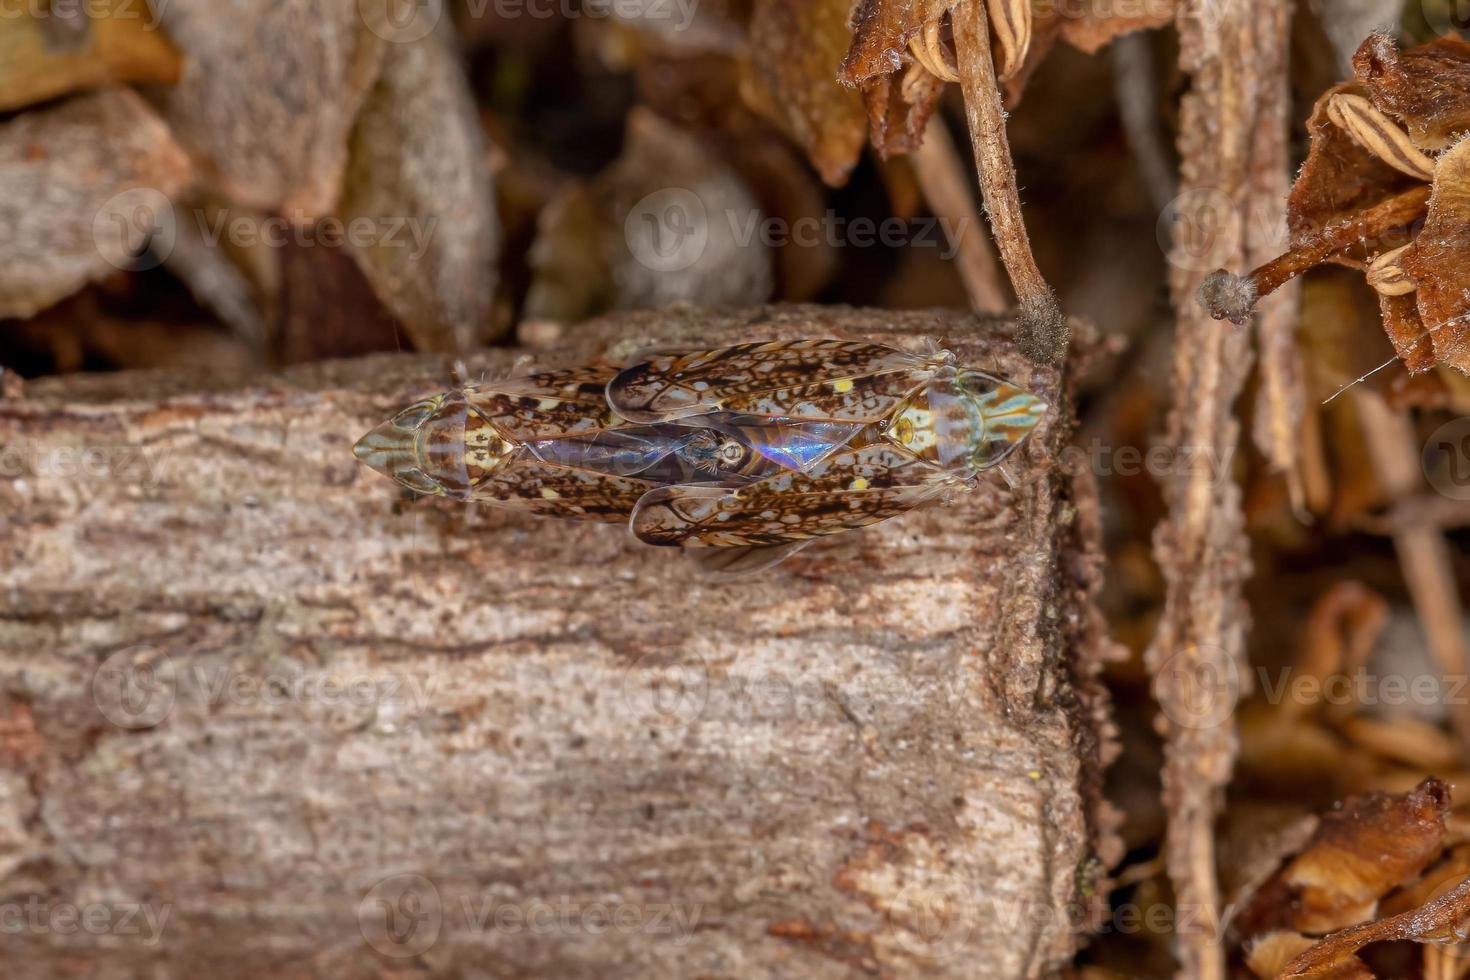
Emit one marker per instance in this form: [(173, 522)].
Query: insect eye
[(414, 415)]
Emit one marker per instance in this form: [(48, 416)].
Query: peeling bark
[(1232, 145), (549, 750)]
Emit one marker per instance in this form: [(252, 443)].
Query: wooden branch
[(1233, 145), (306, 727)]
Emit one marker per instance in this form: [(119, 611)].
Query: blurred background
[(239, 187)]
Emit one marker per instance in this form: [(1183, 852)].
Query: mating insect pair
[(746, 452)]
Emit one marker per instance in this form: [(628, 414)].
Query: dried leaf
[(1010, 29), (268, 96), (668, 222), (1091, 27), (881, 30), (899, 109), (1439, 260), (47, 52), (795, 46), (1269, 955), (1372, 844), (703, 95), (84, 187), (419, 183), (1379, 135), (1339, 179), (1426, 87), (1441, 920)]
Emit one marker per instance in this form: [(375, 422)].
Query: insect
[(745, 453)]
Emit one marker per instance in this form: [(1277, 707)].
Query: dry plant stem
[(1230, 297), (1045, 332), (1235, 53), (1423, 552), (946, 187)]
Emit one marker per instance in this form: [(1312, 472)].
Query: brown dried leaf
[(881, 30), (1438, 261), (899, 108), (1441, 920), (1269, 955), (703, 95), (1426, 87), (46, 52), (1096, 25), (84, 185), (1339, 179), (795, 47), (420, 180), (668, 222), (269, 94), (1372, 844)]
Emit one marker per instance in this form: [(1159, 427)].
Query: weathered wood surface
[(251, 695)]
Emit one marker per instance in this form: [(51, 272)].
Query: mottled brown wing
[(816, 380), (548, 404), (837, 497), (525, 483)]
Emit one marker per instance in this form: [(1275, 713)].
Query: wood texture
[(545, 750)]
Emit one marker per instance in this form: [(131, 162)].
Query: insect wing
[(527, 483), (854, 489), (549, 404), (738, 562), (835, 380)]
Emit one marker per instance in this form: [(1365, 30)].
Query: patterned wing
[(524, 482), (549, 404), (854, 489), (816, 380)]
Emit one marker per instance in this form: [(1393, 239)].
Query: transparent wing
[(816, 380), (738, 562)]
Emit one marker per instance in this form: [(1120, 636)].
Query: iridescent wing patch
[(818, 380)]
